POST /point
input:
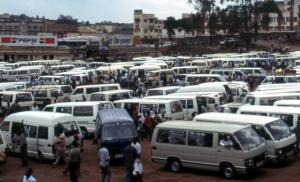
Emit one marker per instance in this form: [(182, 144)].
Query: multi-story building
[(21, 25), (60, 29), (146, 26)]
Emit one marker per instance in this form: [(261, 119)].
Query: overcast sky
[(96, 10)]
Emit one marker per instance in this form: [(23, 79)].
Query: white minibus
[(229, 149), (84, 113), (287, 103), (186, 70), (41, 128), (290, 115), (269, 98), (112, 95), (84, 92), (162, 90), (280, 140), (169, 109), (196, 79), (25, 99)]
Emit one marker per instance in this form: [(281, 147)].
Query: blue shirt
[(104, 157)]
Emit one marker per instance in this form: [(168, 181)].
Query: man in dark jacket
[(129, 153)]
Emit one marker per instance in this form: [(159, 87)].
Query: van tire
[(174, 164), (227, 170)]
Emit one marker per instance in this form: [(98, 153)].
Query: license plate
[(118, 155), (259, 164)]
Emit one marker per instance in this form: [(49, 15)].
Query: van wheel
[(174, 165), (227, 171)]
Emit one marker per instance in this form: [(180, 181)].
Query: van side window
[(92, 90), (7, 98), (171, 136), (48, 109), (175, 107), (43, 132), (78, 91), (5, 126), (162, 108), (287, 118), (31, 131), (23, 97), (190, 104), (261, 132), (183, 103), (200, 139), (67, 110), (81, 111), (226, 140)]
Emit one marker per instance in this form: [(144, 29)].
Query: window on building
[(145, 30), (145, 20)]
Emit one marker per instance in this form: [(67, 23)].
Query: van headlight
[(279, 151), (249, 163)]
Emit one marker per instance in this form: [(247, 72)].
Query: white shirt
[(137, 147), (30, 179)]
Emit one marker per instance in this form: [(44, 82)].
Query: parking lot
[(153, 172)]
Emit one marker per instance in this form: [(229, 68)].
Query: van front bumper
[(283, 153)]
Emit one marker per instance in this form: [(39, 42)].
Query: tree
[(203, 7), (170, 24), (213, 25), (67, 19)]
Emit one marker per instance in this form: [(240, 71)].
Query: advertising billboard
[(28, 41)]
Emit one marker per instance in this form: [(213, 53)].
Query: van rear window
[(81, 111)]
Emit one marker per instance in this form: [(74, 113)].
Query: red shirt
[(148, 122)]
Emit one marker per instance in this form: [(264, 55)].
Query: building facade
[(146, 26), (21, 25)]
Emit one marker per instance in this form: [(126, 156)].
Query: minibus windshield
[(248, 138), (118, 130), (278, 129)]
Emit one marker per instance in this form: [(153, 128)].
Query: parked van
[(186, 70), (229, 149), (84, 113), (80, 79), (287, 103), (269, 98), (289, 115), (46, 95), (115, 129), (223, 88), (7, 86), (159, 74), (196, 79), (41, 129), (25, 99), (171, 109), (61, 68), (112, 95), (162, 90), (279, 86), (226, 72), (82, 93), (51, 80), (281, 79), (143, 70), (254, 71), (190, 105), (281, 142)]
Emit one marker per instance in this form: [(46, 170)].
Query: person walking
[(35, 107), (28, 176), (148, 124), (129, 153), (60, 148), (73, 162), (104, 159)]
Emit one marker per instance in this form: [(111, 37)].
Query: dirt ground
[(10, 172)]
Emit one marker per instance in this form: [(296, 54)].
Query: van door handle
[(219, 150), (154, 148)]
